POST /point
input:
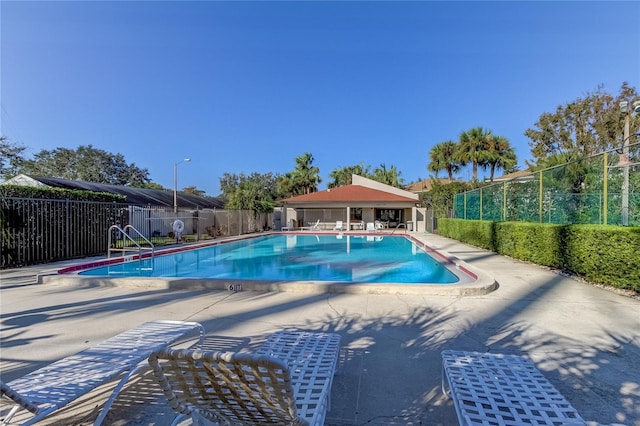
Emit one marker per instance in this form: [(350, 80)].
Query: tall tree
[(442, 157), (390, 176), (86, 163), (342, 176), (472, 148), (500, 154), (253, 192), (306, 177), (440, 198), (583, 127), (10, 157)]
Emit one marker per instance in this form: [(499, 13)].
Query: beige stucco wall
[(362, 181)]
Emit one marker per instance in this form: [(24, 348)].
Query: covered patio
[(364, 201)]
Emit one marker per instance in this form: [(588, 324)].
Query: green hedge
[(541, 244), (474, 232), (599, 253), (604, 254), (16, 191)]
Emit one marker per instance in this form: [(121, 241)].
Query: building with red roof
[(363, 201)]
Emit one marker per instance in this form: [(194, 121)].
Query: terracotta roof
[(351, 193)]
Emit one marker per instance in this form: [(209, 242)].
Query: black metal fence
[(37, 231)]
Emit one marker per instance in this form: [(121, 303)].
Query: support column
[(348, 218), (283, 218)]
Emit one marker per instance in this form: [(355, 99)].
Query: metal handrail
[(126, 236), (398, 226)]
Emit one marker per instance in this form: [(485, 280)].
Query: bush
[(599, 253), (16, 191), (604, 254), (475, 232), (537, 243)]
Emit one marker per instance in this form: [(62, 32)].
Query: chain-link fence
[(603, 189)]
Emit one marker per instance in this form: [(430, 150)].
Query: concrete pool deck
[(585, 339)]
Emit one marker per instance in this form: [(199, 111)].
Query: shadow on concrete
[(390, 364)]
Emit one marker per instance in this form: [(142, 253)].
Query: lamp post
[(175, 183), (624, 107)]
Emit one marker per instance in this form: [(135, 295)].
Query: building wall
[(369, 183)]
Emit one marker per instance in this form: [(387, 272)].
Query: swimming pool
[(295, 257), (252, 263)]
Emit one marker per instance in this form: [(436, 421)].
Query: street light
[(624, 107), (175, 183)]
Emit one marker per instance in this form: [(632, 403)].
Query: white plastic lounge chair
[(339, 226), (289, 226), (503, 389), (286, 381), (371, 227), (52, 387), (314, 227)]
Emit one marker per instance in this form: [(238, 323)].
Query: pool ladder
[(398, 226), (126, 238)]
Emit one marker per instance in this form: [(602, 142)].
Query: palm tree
[(342, 176), (442, 157), (305, 176), (389, 176), (500, 154), (472, 148)]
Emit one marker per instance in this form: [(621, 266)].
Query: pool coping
[(477, 282)]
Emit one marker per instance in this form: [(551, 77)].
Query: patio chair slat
[(286, 381), (498, 389), (51, 387)]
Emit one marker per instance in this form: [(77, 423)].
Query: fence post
[(465, 205), (66, 230), (197, 220), (504, 201), (540, 200), (480, 203), (605, 186)]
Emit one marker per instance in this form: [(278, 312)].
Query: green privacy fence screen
[(603, 189)]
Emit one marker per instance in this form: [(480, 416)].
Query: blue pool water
[(342, 258)]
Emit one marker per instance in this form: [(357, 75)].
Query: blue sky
[(244, 87)]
